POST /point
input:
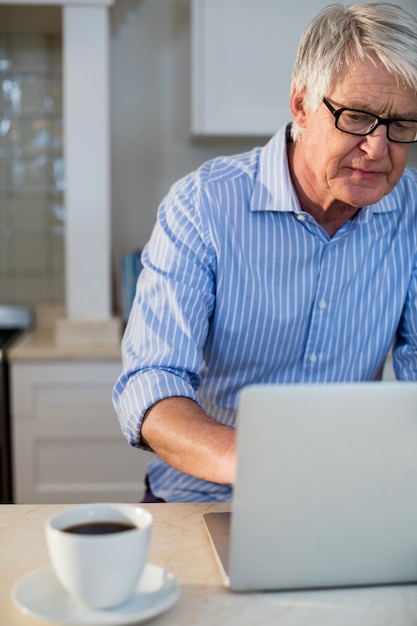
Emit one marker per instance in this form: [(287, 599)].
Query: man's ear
[(297, 107)]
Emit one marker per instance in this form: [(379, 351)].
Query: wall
[(31, 162), (151, 141)]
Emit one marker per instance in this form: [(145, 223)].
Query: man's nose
[(376, 143)]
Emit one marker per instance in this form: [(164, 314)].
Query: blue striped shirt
[(241, 286)]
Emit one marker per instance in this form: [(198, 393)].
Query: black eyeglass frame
[(380, 121)]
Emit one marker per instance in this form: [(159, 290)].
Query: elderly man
[(295, 262)]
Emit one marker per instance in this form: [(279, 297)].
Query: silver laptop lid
[(326, 491)]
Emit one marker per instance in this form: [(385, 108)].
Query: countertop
[(40, 345), (180, 544)]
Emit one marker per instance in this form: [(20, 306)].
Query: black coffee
[(99, 528)]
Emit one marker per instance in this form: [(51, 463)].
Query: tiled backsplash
[(32, 216)]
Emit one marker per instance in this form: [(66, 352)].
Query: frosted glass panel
[(32, 216)]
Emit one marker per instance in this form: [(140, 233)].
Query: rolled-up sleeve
[(163, 343)]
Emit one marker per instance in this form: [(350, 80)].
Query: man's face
[(357, 171)]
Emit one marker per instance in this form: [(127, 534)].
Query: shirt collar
[(273, 190)]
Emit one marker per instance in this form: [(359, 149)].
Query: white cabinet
[(67, 443), (242, 57), (243, 52)]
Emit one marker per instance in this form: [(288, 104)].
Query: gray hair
[(340, 35)]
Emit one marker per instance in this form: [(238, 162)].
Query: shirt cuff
[(134, 396)]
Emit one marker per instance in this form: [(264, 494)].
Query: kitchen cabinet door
[(67, 442)]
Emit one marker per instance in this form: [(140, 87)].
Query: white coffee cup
[(99, 570)]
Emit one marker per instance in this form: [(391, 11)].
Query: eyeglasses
[(356, 122)]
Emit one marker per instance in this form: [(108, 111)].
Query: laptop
[(326, 488)]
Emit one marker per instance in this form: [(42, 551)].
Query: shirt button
[(322, 305), (301, 218), (313, 358)]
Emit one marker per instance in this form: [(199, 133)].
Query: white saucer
[(39, 594)]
